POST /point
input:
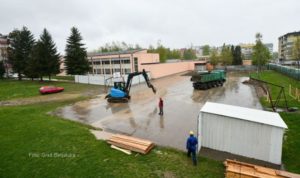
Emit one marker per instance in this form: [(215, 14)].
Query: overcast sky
[(176, 23)]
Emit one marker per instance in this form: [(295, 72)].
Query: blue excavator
[(119, 93)]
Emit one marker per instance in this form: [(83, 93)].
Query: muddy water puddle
[(140, 116)]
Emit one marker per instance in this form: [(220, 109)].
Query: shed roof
[(252, 115)]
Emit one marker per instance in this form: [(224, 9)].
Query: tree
[(76, 55), (45, 57), (162, 51), (206, 50), (237, 56), (175, 54), (214, 57), (2, 69), (20, 49), (226, 55), (261, 54), (296, 50), (189, 54)]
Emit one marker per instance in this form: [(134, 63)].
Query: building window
[(96, 62), (115, 61), (117, 70), (107, 71), (127, 71), (136, 64), (105, 62), (126, 61)]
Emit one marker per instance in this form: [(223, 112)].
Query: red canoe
[(50, 89)]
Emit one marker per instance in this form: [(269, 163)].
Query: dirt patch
[(51, 97), (259, 88), (39, 99)]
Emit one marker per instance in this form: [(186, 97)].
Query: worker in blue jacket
[(191, 146)]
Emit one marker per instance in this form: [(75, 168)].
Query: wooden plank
[(131, 141), (142, 147), (121, 149), (234, 168), (127, 147), (139, 140)]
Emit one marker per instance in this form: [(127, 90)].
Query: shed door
[(199, 136)]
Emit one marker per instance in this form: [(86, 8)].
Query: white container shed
[(242, 131)]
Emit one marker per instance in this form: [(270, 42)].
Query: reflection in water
[(119, 109), (81, 112), (153, 113), (161, 122)]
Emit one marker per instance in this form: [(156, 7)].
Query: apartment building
[(285, 45)]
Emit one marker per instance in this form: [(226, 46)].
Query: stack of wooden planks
[(236, 169), (131, 143)]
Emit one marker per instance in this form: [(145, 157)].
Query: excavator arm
[(130, 77)]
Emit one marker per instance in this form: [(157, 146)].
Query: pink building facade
[(137, 60)]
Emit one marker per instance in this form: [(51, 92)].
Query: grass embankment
[(282, 80), (13, 89), (35, 144), (291, 145)]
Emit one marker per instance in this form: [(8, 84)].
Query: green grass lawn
[(291, 145), (27, 131), (13, 89), (35, 144)]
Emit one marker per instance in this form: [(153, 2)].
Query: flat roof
[(252, 115), (92, 54)]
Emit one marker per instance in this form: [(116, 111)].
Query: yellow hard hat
[(191, 133)]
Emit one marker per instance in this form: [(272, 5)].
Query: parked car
[(50, 89)]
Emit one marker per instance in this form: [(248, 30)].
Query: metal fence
[(106, 79), (237, 68), (290, 71)]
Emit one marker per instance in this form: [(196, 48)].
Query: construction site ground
[(140, 116)]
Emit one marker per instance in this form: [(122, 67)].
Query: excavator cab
[(119, 93), (119, 85)]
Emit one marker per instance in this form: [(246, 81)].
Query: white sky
[(176, 23)]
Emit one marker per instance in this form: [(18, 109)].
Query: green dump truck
[(203, 80)]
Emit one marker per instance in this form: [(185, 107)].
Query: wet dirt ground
[(140, 116)]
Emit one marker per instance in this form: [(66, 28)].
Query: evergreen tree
[(261, 54), (21, 43), (76, 55), (51, 55), (2, 69), (237, 56), (45, 57)]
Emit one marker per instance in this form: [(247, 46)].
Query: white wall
[(241, 137), (100, 79)]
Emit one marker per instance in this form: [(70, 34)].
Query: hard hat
[(191, 133)]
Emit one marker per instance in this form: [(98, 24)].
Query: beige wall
[(165, 69), (147, 57)]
